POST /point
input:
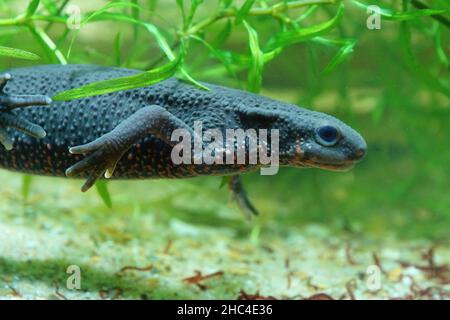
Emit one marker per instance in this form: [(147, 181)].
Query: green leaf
[(160, 39), (235, 58), (244, 10), (26, 186), (286, 38), (270, 55), (331, 41), (162, 42), (257, 62), (389, 14), (104, 9), (119, 84), (102, 189), (340, 56), (187, 77), (244, 60), (32, 7), (17, 53)]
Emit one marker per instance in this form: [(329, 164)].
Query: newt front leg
[(107, 150)]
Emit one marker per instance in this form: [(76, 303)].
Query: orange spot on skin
[(298, 148), (298, 151)]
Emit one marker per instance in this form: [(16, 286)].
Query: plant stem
[(22, 20), (284, 6), (50, 19), (440, 18), (11, 22), (272, 11)]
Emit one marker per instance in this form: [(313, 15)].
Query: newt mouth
[(342, 166)]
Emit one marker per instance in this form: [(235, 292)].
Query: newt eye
[(327, 135)]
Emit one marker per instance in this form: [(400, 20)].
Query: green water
[(393, 87)]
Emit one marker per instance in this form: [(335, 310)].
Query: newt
[(127, 134)]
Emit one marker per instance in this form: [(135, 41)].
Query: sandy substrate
[(139, 250)]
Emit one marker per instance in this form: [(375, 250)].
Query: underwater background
[(319, 233)]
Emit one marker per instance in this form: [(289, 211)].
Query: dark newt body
[(145, 151), (81, 121)]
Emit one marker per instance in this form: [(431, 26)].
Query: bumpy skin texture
[(77, 122)]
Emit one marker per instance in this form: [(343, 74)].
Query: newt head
[(321, 141), (306, 138)]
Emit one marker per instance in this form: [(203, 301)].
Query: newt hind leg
[(10, 120), (238, 195)]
